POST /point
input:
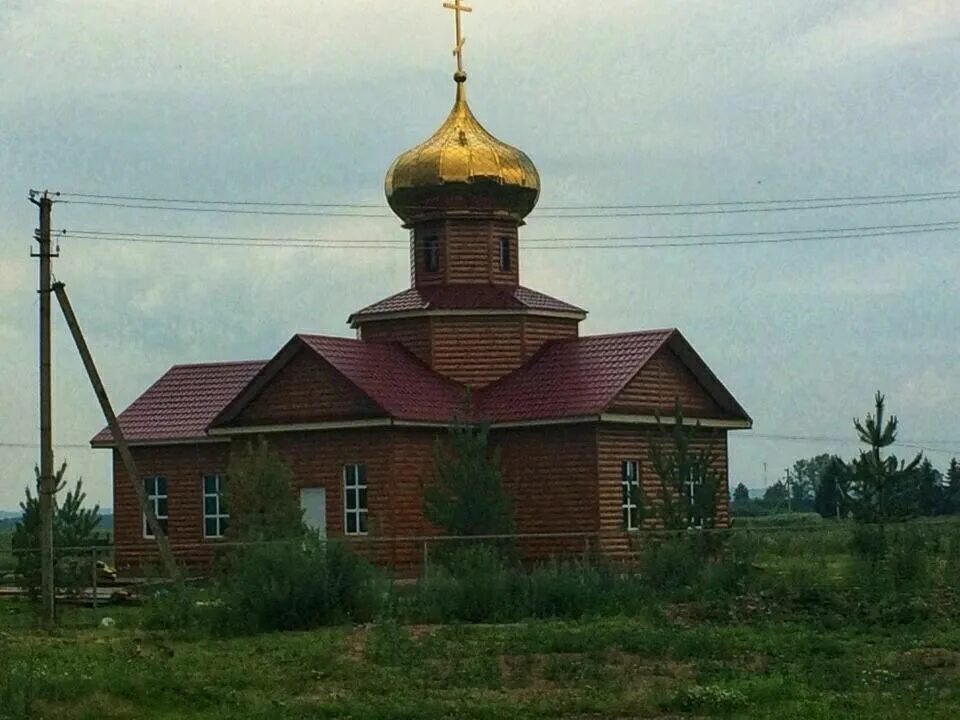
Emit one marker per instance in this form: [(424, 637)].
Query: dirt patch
[(356, 642)]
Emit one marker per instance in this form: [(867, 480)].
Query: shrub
[(295, 586), (472, 583), (179, 609)]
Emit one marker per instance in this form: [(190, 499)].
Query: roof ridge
[(315, 336), (632, 333), (214, 363)]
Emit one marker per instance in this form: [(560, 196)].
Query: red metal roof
[(467, 297), (576, 377), (183, 402), (570, 378), (392, 377)]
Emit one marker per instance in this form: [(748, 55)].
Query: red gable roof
[(576, 377), (393, 377), (467, 297), (570, 378), (183, 402)]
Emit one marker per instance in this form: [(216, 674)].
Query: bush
[(295, 586), (472, 583), (179, 609), (697, 563)]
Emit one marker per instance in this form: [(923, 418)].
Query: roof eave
[(357, 319)]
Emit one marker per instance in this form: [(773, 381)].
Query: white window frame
[(153, 499), (506, 259), (220, 515), (355, 481), (693, 523), (629, 507)]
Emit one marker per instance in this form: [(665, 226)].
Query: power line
[(34, 446), (913, 444), (556, 215), (917, 197), (392, 245), (601, 238)]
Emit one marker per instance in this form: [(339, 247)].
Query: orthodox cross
[(458, 7)]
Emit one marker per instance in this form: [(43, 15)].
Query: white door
[(314, 504)]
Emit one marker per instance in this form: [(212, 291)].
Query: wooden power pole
[(48, 480), (163, 546)]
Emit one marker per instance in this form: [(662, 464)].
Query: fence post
[(426, 560), (93, 565)]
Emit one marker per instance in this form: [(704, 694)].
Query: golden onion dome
[(462, 168)]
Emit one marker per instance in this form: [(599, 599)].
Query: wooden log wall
[(306, 389), (415, 334), (658, 385), (551, 474), (469, 252), (616, 443), (477, 350)]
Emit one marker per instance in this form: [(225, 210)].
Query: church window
[(215, 516), (630, 488), (355, 499), (431, 254), (505, 263), (156, 490)]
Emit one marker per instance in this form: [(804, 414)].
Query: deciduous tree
[(688, 480)]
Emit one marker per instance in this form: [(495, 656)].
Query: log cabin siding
[(616, 443), (550, 472), (477, 350), (469, 252), (413, 333), (656, 388), (183, 466), (307, 389), (537, 330)]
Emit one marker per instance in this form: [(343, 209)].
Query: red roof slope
[(570, 378), (393, 377), (467, 297), (183, 402)]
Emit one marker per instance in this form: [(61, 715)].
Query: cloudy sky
[(620, 102)]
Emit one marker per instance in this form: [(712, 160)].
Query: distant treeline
[(106, 522), (828, 485)]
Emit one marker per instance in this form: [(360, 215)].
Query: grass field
[(806, 634), (657, 665)]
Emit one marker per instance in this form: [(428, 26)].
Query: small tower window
[(505, 263), (431, 254)]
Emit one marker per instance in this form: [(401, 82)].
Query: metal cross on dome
[(458, 7)]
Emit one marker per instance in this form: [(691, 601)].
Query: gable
[(306, 389), (658, 385)]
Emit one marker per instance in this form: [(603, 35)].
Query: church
[(356, 419)]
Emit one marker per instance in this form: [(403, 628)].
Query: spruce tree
[(467, 496), (259, 493), (880, 480)]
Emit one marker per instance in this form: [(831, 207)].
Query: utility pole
[(48, 481)]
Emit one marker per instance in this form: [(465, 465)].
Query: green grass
[(637, 667)]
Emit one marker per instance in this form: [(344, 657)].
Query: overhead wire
[(917, 197), (563, 214), (387, 244), (600, 238)]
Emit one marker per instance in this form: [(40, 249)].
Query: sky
[(621, 102)]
